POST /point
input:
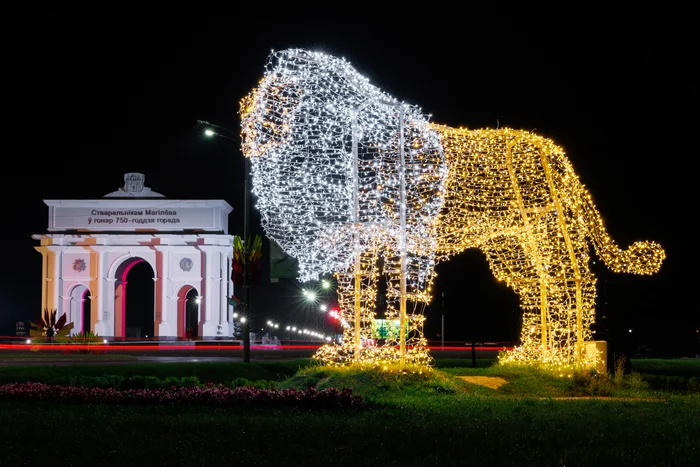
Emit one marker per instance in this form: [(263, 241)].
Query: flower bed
[(209, 395)]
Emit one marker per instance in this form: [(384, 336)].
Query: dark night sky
[(90, 95)]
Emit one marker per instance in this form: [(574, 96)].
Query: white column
[(107, 303), (210, 291), (71, 311), (44, 276), (165, 322), (54, 279), (223, 299), (229, 314), (100, 293), (164, 279), (81, 319)]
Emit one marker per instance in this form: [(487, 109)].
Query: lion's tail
[(642, 257)]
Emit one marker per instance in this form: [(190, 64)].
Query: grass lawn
[(438, 419), (214, 372)]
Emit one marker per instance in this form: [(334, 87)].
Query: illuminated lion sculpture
[(353, 182)]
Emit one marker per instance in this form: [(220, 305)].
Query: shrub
[(676, 383), (259, 384), (210, 395), (671, 383), (694, 384), (592, 383), (142, 382), (263, 384), (240, 382), (185, 382), (86, 342), (655, 381), (635, 381)]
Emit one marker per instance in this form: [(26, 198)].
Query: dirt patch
[(493, 382), (604, 398)]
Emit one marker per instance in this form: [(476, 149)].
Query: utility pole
[(442, 326), (246, 251), (245, 326)]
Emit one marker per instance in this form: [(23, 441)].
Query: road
[(115, 354)]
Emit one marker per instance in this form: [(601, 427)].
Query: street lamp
[(210, 131)]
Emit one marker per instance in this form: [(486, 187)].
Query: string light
[(351, 181), (346, 175), (516, 197)]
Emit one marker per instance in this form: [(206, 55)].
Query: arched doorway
[(189, 316), (87, 313), (134, 312), (79, 312)]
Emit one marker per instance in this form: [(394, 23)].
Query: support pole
[(402, 210), (442, 324), (356, 220)]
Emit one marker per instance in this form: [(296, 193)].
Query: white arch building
[(92, 244)]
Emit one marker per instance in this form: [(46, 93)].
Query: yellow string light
[(515, 196)]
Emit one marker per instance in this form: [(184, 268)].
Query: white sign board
[(130, 216), (121, 219)]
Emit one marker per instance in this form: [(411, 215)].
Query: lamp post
[(210, 130)]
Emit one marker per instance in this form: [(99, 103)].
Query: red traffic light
[(335, 314)]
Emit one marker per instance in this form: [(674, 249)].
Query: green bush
[(240, 382), (185, 381), (142, 382), (694, 384), (655, 381), (635, 381), (263, 384), (592, 383), (676, 383), (672, 383), (89, 341), (258, 384)]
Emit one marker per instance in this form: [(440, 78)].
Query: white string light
[(344, 175)]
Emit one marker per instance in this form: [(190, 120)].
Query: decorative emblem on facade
[(186, 264), (79, 265), (133, 182)]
